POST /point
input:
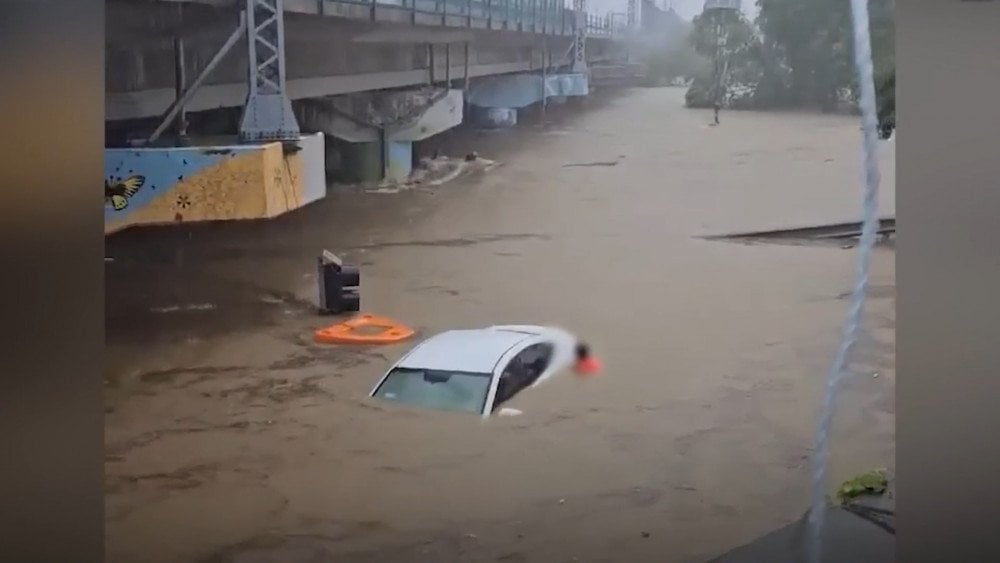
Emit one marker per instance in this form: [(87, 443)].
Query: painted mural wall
[(155, 186)]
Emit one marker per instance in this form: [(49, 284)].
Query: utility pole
[(180, 82), (719, 11), (580, 36)]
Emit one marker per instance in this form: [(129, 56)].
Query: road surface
[(231, 437)]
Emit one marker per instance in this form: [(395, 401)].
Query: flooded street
[(230, 436)]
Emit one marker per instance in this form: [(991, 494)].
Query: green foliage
[(756, 78), (815, 38), (870, 483), (800, 54), (734, 26)]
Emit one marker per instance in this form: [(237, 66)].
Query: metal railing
[(549, 17)]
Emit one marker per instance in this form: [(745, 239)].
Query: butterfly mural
[(117, 192)]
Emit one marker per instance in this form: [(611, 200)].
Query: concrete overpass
[(374, 74)]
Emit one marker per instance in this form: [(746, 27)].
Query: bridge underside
[(325, 54), (371, 79)]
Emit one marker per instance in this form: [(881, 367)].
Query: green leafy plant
[(799, 53), (871, 483)]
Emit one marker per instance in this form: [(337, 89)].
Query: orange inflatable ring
[(347, 332)]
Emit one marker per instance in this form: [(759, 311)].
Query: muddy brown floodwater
[(231, 437)]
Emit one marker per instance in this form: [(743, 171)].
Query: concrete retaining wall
[(168, 185)]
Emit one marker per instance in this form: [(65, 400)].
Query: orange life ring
[(347, 331)]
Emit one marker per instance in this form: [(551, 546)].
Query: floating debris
[(597, 163), (180, 308), (436, 171)]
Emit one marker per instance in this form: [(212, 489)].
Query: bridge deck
[(320, 31)]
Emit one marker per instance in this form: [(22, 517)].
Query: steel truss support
[(580, 36), (267, 114), (177, 107)]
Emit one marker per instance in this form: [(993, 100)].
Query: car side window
[(535, 360), (522, 370)]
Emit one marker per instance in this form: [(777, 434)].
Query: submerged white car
[(476, 370)]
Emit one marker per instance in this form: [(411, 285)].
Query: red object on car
[(586, 364)]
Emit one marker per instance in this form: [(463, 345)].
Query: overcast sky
[(686, 8)]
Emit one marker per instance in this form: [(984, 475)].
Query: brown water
[(231, 437)]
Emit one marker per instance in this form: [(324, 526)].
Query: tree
[(801, 53), (817, 43), (737, 64), (815, 38)]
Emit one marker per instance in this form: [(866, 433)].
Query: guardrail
[(549, 17)]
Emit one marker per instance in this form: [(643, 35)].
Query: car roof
[(476, 351)]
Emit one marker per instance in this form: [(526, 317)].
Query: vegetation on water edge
[(871, 483), (797, 53)]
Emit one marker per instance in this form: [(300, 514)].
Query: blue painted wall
[(160, 169)]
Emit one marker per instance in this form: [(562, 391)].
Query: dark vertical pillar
[(545, 75), (465, 86), (430, 64), (180, 81), (447, 65)]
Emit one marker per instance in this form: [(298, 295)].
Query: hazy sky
[(686, 8)]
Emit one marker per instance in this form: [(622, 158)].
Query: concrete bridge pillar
[(373, 128), (397, 162)]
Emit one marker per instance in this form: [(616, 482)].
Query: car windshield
[(433, 389)]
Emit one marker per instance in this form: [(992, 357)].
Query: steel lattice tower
[(267, 114)]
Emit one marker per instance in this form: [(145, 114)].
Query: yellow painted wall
[(248, 183)]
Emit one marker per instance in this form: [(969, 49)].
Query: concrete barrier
[(155, 186)]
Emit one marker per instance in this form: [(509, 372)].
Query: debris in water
[(177, 308), (507, 411), (436, 171), (645, 534), (597, 163), (270, 299)]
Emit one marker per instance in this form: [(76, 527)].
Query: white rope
[(869, 120)]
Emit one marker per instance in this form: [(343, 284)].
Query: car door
[(521, 371)]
